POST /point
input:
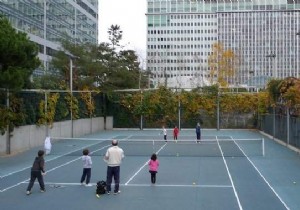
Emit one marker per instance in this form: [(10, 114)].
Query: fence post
[(218, 110), (274, 119), (288, 125), (8, 150)]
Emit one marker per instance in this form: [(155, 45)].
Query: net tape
[(145, 147)]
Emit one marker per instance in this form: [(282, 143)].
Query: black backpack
[(101, 187)]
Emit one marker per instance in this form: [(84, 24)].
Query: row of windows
[(163, 61), (187, 17), (195, 24), (182, 46), (211, 31), (182, 39)]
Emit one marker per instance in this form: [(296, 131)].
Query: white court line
[(138, 185), (144, 165), (228, 172), (265, 180), (71, 161)]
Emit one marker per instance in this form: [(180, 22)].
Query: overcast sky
[(130, 16)]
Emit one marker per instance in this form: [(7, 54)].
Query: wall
[(26, 137)]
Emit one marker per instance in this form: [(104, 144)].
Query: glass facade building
[(47, 22), (264, 35)]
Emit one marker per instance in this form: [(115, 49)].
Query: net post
[(263, 147)]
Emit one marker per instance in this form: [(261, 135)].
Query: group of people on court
[(176, 133), (113, 157)]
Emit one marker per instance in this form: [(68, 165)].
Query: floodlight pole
[(8, 149), (218, 109), (275, 64), (71, 57), (71, 90)]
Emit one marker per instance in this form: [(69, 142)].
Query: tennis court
[(228, 169)]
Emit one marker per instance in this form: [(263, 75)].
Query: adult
[(113, 158), (198, 132)]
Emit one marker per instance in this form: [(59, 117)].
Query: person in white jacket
[(113, 158), (87, 168), (47, 145)]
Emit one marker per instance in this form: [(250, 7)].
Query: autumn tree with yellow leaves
[(222, 64)]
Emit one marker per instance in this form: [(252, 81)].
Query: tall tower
[(262, 35)]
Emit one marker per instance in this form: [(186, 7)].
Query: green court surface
[(227, 170)]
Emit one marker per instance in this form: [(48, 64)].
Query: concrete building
[(47, 22), (263, 34)]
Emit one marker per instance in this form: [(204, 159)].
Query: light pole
[(71, 57), (273, 56)]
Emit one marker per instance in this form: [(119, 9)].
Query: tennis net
[(182, 148)]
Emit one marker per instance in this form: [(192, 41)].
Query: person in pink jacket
[(153, 167)]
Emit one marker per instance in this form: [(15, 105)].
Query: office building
[(48, 22), (263, 34)]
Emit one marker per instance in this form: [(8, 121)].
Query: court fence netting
[(171, 148)]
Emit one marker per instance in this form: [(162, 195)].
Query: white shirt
[(114, 156)]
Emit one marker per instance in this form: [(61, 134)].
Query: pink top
[(153, 165)]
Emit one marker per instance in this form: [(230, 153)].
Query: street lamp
[(273, 56), (71, 57)]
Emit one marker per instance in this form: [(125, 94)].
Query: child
[(47, 145), (153, 167), (198, 132), (175, 133), (37, 171), (87, 168), (164, 131)]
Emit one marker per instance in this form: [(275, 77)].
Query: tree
[(115, 35), (222, 65), (18, 57)]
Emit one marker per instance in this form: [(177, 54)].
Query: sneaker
[(82, 183), (88, 185), (108, 193), (115, 193), (42, 191), (28, 193)]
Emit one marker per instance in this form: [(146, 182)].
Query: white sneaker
[(28, 193), (115, 193), (108, 193), (88, 185), (82, 183)]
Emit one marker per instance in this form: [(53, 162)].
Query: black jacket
[(38, 164)]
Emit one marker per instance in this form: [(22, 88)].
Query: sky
[(130, 16)]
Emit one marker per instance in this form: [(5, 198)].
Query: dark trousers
[(153, 176), (113, 172), (198, 136), (165, 137), (86, 173), (36, 175)]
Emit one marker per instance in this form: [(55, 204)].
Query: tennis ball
[(194, 183), (295, 182)]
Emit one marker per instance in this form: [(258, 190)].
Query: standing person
[(198, 132), (47, 145), (175, 133), (113, 158), (164, 131), (87, 168), (37, 172), (153, 167)]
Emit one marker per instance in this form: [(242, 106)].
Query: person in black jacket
[(37, 171)]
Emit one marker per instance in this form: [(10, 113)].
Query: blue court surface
[(227, 170)]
